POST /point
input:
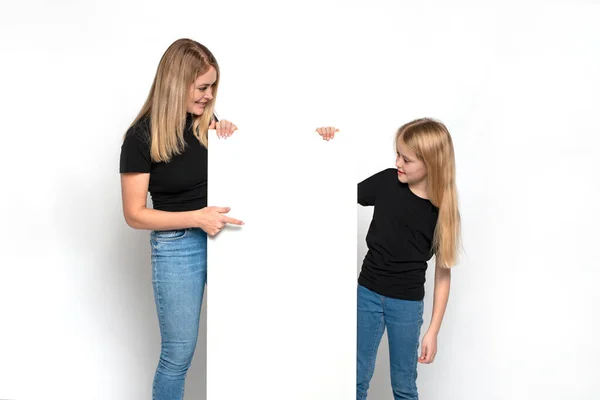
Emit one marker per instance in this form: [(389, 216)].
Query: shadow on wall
[(110, 278)]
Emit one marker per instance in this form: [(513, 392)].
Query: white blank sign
[(281, 319)]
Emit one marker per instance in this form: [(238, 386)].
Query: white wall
[(517, 88)]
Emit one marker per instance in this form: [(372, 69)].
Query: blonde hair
[(431, 142), (179, 67)]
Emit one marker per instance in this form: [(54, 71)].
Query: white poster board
[(282, 288)]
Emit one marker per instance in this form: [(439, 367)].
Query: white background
[(517, 87)]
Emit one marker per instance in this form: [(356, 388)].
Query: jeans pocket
[(168, 235)]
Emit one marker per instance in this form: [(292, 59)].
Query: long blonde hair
[(179, 67), (431, 142)]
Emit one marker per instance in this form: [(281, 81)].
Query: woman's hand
[(224, 128), (212, 219), (327, 133), (428, 348)]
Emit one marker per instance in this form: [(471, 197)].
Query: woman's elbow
[(131, 220)]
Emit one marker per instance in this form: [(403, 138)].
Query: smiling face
[(201, 92), (411, 169)]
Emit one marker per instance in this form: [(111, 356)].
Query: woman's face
[(201, 92)]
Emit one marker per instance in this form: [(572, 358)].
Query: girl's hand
[(327, 133), (212, 219), (428, 348), (224, 128)]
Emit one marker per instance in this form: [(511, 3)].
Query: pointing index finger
[(233, 221)]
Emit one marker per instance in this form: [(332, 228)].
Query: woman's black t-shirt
[(180, 184), (399, 239)]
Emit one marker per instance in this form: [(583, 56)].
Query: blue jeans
[(178, 277), (403, 320)]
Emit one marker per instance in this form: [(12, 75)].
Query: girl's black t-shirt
[(399, 239), (178, 185)]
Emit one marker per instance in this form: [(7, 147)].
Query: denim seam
[(373, 356), (164, 349), (416, 351), (414, 361)]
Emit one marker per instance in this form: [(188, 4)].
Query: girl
[(415, 216), (165, 152)]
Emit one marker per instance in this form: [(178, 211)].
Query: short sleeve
[(367, 189), (135, 150)]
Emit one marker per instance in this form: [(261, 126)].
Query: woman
[(165, 152)]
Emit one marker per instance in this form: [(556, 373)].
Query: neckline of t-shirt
[(414, 194)]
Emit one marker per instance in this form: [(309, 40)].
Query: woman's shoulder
[(137, 138), (139, 130)]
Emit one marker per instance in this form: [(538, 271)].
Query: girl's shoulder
[(385, 175)]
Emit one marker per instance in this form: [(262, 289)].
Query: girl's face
[(411, 170), (201, 92)]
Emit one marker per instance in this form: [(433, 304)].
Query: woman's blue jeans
[(178, 277)]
